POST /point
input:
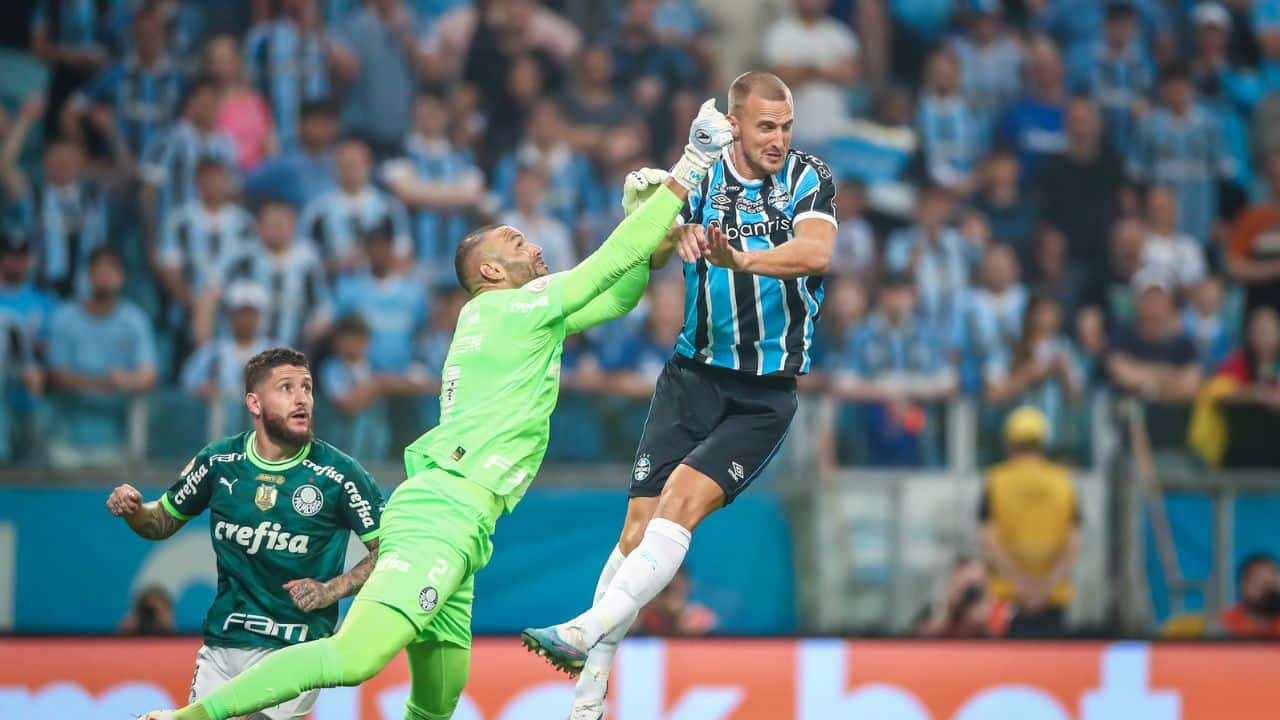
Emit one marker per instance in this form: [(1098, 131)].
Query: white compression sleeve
[(593, 683)]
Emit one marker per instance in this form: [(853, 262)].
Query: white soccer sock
[(594, 680), (643, 575)]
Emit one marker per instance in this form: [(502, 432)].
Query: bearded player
[(282, 507), (500, 383), (755, 236)]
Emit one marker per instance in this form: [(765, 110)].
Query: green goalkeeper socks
[(369, 638)]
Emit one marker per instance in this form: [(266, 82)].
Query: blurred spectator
[(215, 371), (1117, 72), (991, 61), (1256, 613), (1110, 292), (1154, 358), (1253, 253), (1255, 366), (197, 238), (1076, 24), (592, 103), (499, 30), (646, 67), (817, 56), (1204, 320), (1040, 371), (962, 609), (291, 271), (335, 221), (1034, 125), (1078, 190), (438, 182), (569, 176), (377, 55), (623, 149), (101, 351), (539, 228), (511, 111), (737, 42), (671, 614), (74, 38), (150, 614), (1180, 144), (306, 172), (1266, 26), (1237, 409), (392, 304), (953, 135), (635, 362), (288, 59), (936, 254), (141, 92), (1215, 77), (917, 27), (1009, 213), (20, 377), (855, 252), (1030, 532), (169, 163), (65, 214), (347, 379), (243, 114), (883, 154), (893, 362), (432, 346), (1166, 249), (19, 294), (993, 313), (1052, 273)]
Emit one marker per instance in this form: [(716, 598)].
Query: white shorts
[(217, 665)]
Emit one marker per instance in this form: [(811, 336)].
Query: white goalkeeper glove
[(639, 186), (709, 133)]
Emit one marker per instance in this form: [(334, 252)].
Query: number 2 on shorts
[(436, 575)]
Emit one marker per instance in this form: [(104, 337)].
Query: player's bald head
[(479, 246), (759, 83)]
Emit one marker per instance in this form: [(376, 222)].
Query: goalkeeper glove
[(709, 133), (640, 186)]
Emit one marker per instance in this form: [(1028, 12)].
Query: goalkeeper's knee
[(412, 712)]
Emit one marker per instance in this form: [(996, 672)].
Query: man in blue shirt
[(936, 255), (894, 362), (142, 90), (306, 172), (1117, 72), (101, 354), (1034, 125)]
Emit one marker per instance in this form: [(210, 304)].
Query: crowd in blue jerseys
[(1035, 199)]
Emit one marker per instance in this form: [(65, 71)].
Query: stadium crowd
[(1038, 199)]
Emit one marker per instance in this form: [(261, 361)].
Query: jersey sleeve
[(189, 496), (362, 507), (815, 193), (691, 213)]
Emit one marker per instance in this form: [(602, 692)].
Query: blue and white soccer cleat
[(587, 711), (561, 645)]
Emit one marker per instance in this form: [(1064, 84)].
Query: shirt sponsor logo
[(451, 375), (750, 205), (266, 536), (263, 625), (355, 499), (764, 228), (470, 343), (190, 484)]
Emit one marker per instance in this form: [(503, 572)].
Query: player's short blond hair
[(763, 84)]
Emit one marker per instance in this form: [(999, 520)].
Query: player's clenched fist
[(124, 500), (709, 132), (639, 186)]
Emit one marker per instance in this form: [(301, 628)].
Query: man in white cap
[(1153, 357)]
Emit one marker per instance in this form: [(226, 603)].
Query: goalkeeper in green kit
[(500, 383)]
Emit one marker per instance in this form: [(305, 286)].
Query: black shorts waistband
[(776, 382)]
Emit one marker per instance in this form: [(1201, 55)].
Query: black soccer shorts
[(723, 423)]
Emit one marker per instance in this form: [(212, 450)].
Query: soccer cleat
[(158, 715), (593, 710), (559, 645)]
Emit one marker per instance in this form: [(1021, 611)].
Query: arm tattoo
[(153, 522), (349, 583)]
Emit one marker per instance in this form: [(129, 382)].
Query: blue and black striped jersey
[(747, 322)]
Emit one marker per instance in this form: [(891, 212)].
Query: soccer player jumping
[(756, 235), (501, 379)]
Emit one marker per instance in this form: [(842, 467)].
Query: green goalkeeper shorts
[(436, 532)]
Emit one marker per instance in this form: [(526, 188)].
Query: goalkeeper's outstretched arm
[(635, 239)]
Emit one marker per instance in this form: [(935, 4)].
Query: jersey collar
[(727, 155), (251, 452)]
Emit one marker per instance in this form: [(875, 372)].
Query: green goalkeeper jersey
[(501, 378), (272, 522)]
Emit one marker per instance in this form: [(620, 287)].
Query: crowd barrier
[(714, 679)]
